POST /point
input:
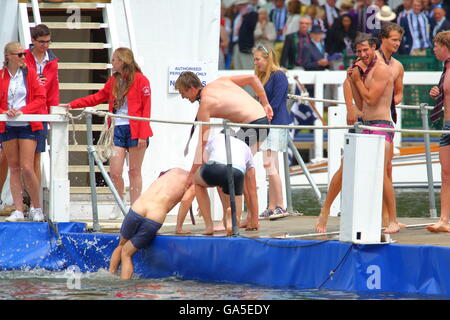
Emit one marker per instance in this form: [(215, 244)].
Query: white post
[(318, 133), (398, 135), (336, 117), (362, 188), (59, 198)]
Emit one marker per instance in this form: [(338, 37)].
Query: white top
[(17, 96), (122, 111), (40, 66), (241, 155)]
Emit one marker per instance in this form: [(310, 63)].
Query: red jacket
[(139, 103), (51, 74), (35, 96)]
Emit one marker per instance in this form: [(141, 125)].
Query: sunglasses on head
[(20, 54), (264, 49)]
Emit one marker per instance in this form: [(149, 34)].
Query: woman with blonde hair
[(275, 83), (21, 93), (128, 93)]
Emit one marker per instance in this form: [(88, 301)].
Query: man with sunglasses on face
[(42, 60)]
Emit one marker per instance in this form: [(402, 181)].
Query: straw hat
[(385, 14)]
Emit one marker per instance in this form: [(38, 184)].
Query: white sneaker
[(37, 215), (15, 216)]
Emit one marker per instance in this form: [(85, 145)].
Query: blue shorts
[(12, 133), (445, 138), (138, 229), (40, 147), (122, 137)]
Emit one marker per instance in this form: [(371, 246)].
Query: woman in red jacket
[(128, 93), (20, 93)]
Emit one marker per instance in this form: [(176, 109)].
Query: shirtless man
[(224, 98), (146, 217), (372, 90), (442, 51), (391, 35)]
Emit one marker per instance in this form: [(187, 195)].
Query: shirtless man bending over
[(146, 217), (391, 36), (373, 90), (442, 52), (224, 98)]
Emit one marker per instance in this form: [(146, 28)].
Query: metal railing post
[(230, 179), (287, 178), (302, 164), (426, 137), (90, 143)]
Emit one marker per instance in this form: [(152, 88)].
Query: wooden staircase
[(83, 38)]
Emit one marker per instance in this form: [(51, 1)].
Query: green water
[(410, 202)]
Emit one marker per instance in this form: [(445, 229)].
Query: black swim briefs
[(215, 175), (253, 135)]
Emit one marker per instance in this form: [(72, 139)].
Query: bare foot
[(208, 233), (229, 224), (321, 223), (392, 228), (440, 226), (219, 227), (243, 224), (183, 232)]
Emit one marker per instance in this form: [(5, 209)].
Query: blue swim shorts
[(25, 132), (40, 147), (122, 137), (138, 229), (445, 138)]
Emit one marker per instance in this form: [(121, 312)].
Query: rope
[(105, 143), (303, 98), (260, 126)]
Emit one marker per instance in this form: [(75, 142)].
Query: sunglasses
[(264, 49), (20, 54)]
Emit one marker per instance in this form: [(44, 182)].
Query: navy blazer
[(407, 41), (311, 55), (276, 90), (444, 26)]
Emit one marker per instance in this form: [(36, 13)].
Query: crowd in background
[(316, 36)]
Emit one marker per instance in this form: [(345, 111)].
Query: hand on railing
[(12, 113)]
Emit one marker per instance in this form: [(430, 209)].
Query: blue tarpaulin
[(301, 264)]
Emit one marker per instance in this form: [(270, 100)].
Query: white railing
[(58, 166), (321, 78)]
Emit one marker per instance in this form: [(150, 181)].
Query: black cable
[(337, 267)]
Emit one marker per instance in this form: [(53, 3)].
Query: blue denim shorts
[(122, 137), (40, 147), (138, 229), (12, 133)]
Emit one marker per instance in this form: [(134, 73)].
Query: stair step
[(87, 190), (80, 45), (84, 168), (83, 66), (81, 86), (77, 26), (66, 5)]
